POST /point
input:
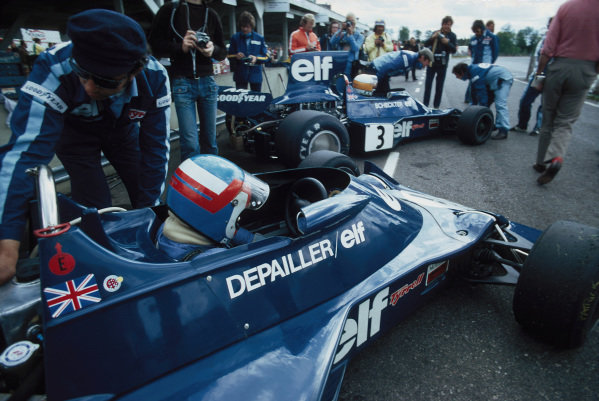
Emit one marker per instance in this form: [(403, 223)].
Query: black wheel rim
[(484, 126)]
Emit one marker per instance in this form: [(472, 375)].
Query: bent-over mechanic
[(99, 93)]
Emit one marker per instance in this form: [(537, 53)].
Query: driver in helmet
[(206, 195)]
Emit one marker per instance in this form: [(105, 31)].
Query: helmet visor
[(258, 191)]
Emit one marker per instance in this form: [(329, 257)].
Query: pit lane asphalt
[(465, 344)]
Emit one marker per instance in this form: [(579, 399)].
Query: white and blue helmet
[(209, 193)]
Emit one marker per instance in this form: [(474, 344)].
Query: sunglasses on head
[(107, 83)]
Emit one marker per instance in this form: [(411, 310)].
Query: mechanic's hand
[(9, 255), (189, 41), (253, 59), (444, 41), (239, 56), (208, 50)]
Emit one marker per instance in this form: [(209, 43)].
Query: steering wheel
[(303, 192)]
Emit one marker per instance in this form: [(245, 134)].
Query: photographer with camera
[(349, 40), (442, 43), (191, 34), (378, 42), (247, 53)]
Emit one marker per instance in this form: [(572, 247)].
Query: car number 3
[(378, 136)]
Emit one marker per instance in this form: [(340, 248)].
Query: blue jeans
[(187, 93), (502, 121), (526, 101)]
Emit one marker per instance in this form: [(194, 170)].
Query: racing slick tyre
[(328, 158), (558, 290), (307, 131), (475, 125)]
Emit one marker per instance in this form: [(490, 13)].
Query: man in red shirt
[(572, 45), (304, 40)]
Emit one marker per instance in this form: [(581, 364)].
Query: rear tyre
[(475, 125), (328, 158), (307, 131), (558, 290)]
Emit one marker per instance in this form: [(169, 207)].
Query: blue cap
[(105, 42)]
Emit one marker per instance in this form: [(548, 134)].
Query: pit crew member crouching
[(206, 196), (395, 63)]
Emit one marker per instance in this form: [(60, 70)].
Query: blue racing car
[(321, 110), (99, 313)]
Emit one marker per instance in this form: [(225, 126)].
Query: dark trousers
[(255, 86), (440, 71), (526, 101), (79, 152), (382, 87)]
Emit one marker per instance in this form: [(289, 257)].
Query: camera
[(381, 38), (347, 24), (203, 39)]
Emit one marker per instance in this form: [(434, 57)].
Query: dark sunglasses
[(98, 80)]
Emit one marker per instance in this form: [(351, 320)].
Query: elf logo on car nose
[(356, 332), (304, 70), (402, 130)]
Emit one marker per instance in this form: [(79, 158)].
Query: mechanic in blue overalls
[(206, 195), (98, 94), (247, 53), (395, 63), (489, 83), (483, 47)]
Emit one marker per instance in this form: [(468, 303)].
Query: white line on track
[(391, 163)]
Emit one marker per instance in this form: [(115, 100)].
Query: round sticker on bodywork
[(112, 283)]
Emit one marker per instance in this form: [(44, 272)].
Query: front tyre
[(475, 125), (307, 131), (558, 290)]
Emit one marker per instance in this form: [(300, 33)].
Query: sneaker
[(534, 132), (501, 134), (551, 171), (539, 168), (517, 129)]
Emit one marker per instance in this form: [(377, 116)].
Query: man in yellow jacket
[(378, 42)]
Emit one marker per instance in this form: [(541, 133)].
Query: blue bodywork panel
[(276, 319)]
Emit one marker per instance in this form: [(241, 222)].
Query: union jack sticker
[(72, 295)]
